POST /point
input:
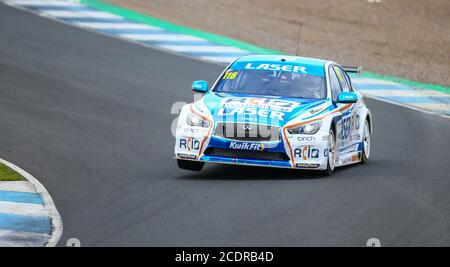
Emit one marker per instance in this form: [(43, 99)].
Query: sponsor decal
[(350, 148), (306, 139), (306, 152), (345, 128), (264, 113), (346, 161), (349, 125), (261, 107), (230, 75), (265, 103), (307, 165), (247, 146), (276, 67), (354, 158), (186, 156), (190, 144), (191, 130)]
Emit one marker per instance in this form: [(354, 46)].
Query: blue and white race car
[(276, 111)]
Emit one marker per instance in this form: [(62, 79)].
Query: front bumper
[(242, 161), (280, 154)]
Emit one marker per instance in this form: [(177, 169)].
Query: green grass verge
[(146, 19), (425, 86), (7, 174)]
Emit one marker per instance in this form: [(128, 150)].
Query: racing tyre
[(331, 154), (365, 143), (190, 165)]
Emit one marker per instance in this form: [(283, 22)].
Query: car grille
[(261, 155), (248, 132)]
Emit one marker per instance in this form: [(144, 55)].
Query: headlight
[(310, 128), (194, 120)]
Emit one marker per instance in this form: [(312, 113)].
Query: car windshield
[(272, 83)]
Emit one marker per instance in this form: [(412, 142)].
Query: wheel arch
[(369, 120), (333, 124)]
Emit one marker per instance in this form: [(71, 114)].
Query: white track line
[(409, 106), (161, 37), (372, 81), (23, 209), (117, 26), (203, 48), (48, 203), (432, 106), (406, 93), (18, 186), (220, 59), (80, 14), (22, 239), (45, 3)]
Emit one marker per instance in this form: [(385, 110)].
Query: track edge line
[(48, 203), (411, 107)]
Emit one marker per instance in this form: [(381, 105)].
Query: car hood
[(270, 110)]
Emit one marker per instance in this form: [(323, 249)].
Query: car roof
[(288, 60)]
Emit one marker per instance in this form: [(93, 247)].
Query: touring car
[(276, 111)]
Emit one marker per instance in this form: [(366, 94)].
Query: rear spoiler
[(349, 69)]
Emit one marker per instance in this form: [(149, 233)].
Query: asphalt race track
[(90, 117)]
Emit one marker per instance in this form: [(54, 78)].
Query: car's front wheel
[(190, 165), (365, 143), (331, 153)]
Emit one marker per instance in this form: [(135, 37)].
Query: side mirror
[(200, 86), (347, 97)]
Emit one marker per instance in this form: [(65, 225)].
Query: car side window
[(335, 85), (342, 77), (347, 78)]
